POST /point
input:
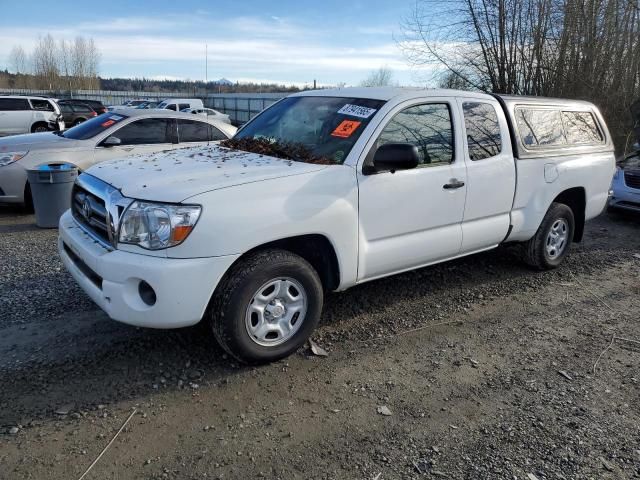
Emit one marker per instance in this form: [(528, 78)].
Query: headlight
[(155, 226), (7, 158)]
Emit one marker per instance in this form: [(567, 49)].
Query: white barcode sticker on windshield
[(357, 111), (115, 117)]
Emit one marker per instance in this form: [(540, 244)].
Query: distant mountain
[(223, 81)]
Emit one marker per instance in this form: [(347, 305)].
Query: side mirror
[(396, 156), (111, 142)]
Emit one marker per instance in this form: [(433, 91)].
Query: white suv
[(29, 115)]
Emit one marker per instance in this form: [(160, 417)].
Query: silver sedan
[(108, 136)]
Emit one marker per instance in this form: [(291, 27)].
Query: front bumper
[(13, 180), (183, 287), (57, 124), (624, 197)]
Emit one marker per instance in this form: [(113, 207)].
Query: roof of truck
[(523, 99), (388, 93)]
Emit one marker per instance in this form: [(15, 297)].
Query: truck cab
[(325, 190)]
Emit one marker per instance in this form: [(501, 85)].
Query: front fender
[(237, 219)]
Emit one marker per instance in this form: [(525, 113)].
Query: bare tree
[(60, 65), (46, 62), (586, 49), (382, 77), (18, 60)]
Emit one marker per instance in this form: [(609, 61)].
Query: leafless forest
[(57, 65), (586, 49)]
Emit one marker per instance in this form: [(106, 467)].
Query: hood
[(175, 175), (36, 141)]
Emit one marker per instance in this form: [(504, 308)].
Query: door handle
[(453, 184)]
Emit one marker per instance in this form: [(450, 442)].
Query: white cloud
[(272, 49)]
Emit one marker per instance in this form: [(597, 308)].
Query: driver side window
[(146, 132), (428, 127)]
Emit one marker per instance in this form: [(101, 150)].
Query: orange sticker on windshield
[(346, 129), (108, 123)]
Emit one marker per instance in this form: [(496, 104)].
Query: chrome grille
[(632, 179), (90, 211), (97, 207)]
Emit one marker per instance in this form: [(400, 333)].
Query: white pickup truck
[(325, 190)]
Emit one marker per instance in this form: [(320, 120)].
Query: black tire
[(233, 296), (39, 127), (78, 121), (535, 251), (28, 199)]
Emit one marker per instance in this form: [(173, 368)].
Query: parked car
[(96, 105), (126, 105), (325, 190), (76, 113), (28, 114), (147, 106), (626, 184), (111, 135), (208, 112), (179, 104)]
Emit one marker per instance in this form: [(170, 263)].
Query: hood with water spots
[(176, 175)]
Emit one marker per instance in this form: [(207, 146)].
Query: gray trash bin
[(51, 190)]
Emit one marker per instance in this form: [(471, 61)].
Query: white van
[(178, 104), (28, 115)]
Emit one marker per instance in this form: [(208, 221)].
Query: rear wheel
[(78, 122), (267, 306), (39, 128), (551, 243)]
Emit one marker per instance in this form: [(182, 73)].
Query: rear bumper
[(13, 179), (112, 278)]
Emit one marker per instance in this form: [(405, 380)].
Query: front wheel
[(552, 241), (267, 306)]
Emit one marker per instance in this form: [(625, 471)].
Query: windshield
[(320, 127), (93, 127)]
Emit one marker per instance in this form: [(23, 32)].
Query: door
[(147, 135), (15, 116), (411, 218), (491, 175)]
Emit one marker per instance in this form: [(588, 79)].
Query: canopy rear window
[(556, 128)]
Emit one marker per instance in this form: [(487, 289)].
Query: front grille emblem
[(86, 210)]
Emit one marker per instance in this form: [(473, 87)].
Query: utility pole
[(206, 66)]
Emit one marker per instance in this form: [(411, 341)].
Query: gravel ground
[(486, 368)]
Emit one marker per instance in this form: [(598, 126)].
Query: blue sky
[(283, 41)]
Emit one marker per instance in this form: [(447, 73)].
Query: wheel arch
[(38, 123), (576, 199), (316, 249)]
